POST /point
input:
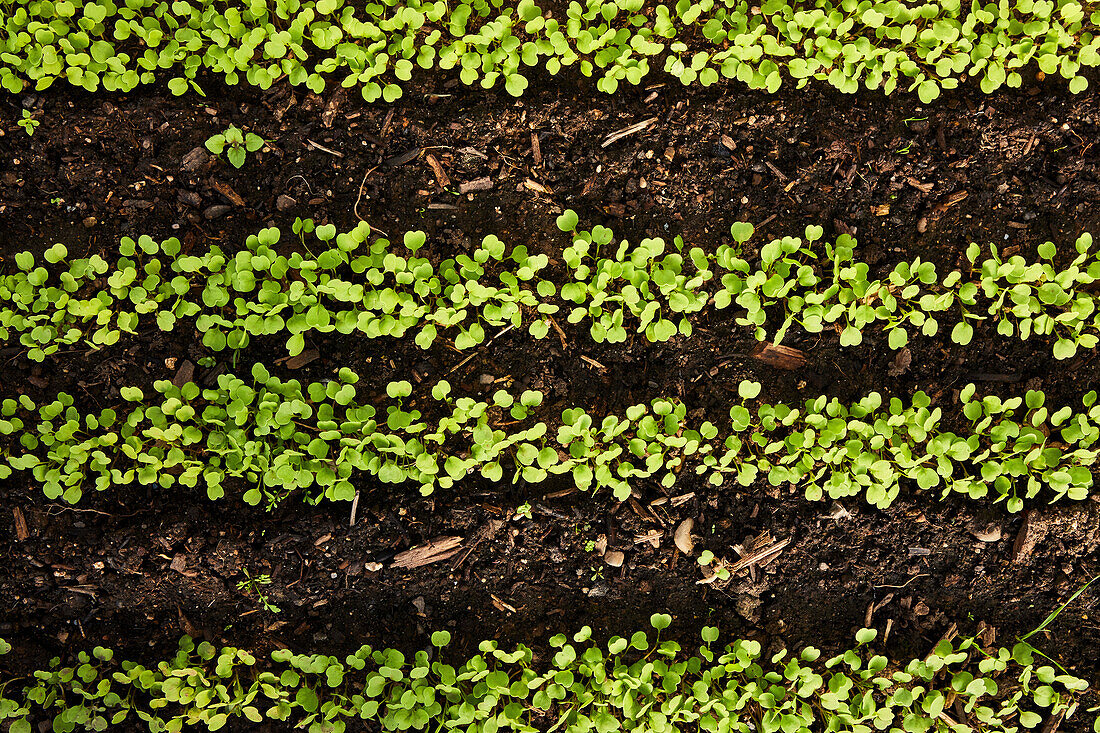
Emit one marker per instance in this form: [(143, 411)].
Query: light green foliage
[(254, 585), (380, 288), (235, 144), (282, 437), (28, 123), (626, 684), (377, 47)]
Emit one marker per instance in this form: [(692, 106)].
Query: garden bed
[(139, 567)]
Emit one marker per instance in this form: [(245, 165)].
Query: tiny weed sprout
[(635, 682), (28, 122), (253, 585), (235, 144)]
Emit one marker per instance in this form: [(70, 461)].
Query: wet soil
[(136, 568)]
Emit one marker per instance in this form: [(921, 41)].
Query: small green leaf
[(568, 220), (660, 621)]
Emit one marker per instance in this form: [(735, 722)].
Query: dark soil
[(136, 568)]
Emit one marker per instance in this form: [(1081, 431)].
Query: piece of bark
[(332, 107), (403, 158), (299, 361), (226, 190), (1031, 531), (440, 174), (478, 184), (780, 357), (184, 374), (195, 161), (536, 151), (435, 550), (21, 531)]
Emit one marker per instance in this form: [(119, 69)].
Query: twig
[(323, 149), (354, 508), (462, 363), (629, 130)]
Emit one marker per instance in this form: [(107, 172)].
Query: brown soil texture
[(136, 568)]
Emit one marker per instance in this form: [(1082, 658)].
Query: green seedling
[(235, 144), (884, 46), (28, 123), (657, 684), (253, 585)]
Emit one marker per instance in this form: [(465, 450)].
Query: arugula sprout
[(378, 47), (657, 685)]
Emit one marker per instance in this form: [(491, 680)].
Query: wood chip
[(535, 186), (780, 357), (440, 175), (299, 361), (682, 537), (628, 130), (1031, 531), (436, 550), (922, 187), (474, 152), (179, 564), (951, 200), (333, 107), (536, 151), (478, 184), (728, 143), (778, 173), (226, 190), (991, 532), (21, 531), (501, 605), (184, 374), (403, 158)]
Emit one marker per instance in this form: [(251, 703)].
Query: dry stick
[(629, 130), (354, 507), (462, 363), (323, 149)]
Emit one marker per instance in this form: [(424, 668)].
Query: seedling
[(28, 123), (627, 682), (253, 585), (885, 46), (235, 144)]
